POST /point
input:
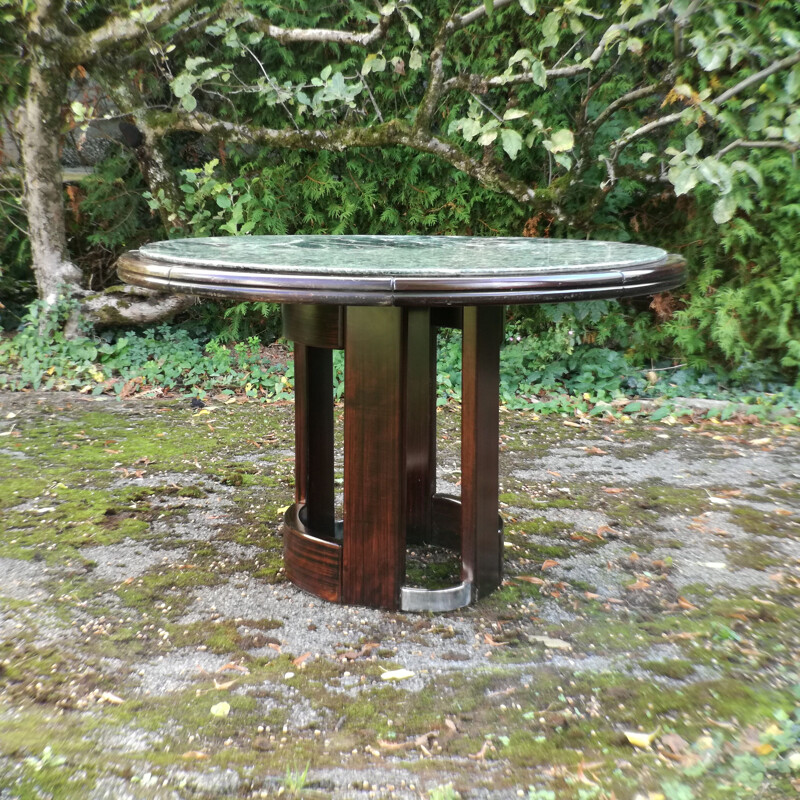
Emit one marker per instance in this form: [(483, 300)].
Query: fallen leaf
[(481, 754), (220, 709), (684, 603), (397, 674), (224, 685), (611, 490), (233, 665), (641, 583), (549, 563), (784, 512), (552, 644), (557, 474), (530, 579), (596, 451), (572, 424), (674, 742), (108, 697), (195, 754), (301, 659), (641, 740), (759, 442)]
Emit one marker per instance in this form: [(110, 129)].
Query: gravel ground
[(102, 634)]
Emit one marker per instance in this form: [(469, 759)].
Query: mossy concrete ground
[(151, 648)]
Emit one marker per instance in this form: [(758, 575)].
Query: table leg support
[(313, 370), (481, 540), (421, 424), (373, 544)]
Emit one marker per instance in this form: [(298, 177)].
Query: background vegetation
[(594, 141)]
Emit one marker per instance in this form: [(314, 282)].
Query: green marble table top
[(401, 256)]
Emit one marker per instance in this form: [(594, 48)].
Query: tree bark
[(39, 129)]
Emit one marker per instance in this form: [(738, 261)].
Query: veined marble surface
[(406, 256)]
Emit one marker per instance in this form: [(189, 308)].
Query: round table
[(381, 299)]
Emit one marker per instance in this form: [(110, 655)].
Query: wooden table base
[(390, 454)]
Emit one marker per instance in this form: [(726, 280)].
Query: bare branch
[(111, 307), (629, 97), (394, 132), (477, 13), (126, 28), (791, 147), (436, 80), (645, 129), (289, 35), (481, 83), (757, 77), (372, 98), (613, 31)]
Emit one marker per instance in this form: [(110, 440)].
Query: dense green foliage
[(742, 305), (548, 373), (580, 139)]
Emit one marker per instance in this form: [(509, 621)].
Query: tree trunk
[(39, 129)]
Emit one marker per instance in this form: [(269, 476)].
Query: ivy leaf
[(563, 159), (373, 63), (550, 29), (684, 179), (660, 413), (511, 141), (711, 58), (521, 55), (724, 209), (182, 85), (189, 102), (694, 143), (367, 65), (193, 63), (560, 141), (539, 73), (514, 113), (471, 128), (635, 45), (744, 166), (528, 6)]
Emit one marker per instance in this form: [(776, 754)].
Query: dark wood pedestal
[(390, 454)]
